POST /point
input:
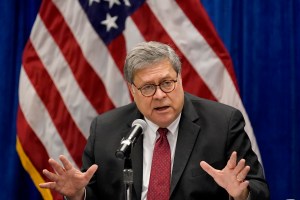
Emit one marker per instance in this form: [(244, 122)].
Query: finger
[(50, 175), (56, 166), (91, 171), (244, 185), (240, 166), (48, 185), (66, 163), (209, 169), (243, 174), (232, 160)]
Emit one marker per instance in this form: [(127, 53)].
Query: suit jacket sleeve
[(88, 160), (238, 141)]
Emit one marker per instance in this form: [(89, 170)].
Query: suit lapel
[(137, 161), (187, 135), (137, 166)]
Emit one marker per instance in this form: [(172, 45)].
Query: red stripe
[(196, 13), (88, 80), (117, 49), (31, 144), (151, 29), (33, 148), (48, 93)]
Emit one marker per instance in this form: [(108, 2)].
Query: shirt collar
[(173, 127)]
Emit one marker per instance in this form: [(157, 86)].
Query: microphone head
[(141, 123), (138, 128)]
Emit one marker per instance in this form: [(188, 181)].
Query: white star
[(91, 1), (127, 3), (110, 22), (112, 2)]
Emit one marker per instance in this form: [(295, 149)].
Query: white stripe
[(95, 51), (195, 48), (132, 34), (39, 119), (55, 64)]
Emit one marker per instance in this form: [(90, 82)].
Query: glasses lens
[(167, 86), (148, 90)]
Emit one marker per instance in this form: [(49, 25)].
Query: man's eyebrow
[(160, 80)]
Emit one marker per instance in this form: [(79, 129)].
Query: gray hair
[(146, 53)]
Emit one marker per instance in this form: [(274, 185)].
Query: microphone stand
[(128, 174)]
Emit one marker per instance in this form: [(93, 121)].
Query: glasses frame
[(158, 85)]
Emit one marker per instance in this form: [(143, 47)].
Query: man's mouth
[(161, 108)]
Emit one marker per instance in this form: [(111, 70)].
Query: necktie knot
[(162, 131)]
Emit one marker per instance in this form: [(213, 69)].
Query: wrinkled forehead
[(155, 73)]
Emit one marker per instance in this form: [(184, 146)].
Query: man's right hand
[(67, 180)]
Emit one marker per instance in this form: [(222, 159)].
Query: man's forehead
[(148, 75)]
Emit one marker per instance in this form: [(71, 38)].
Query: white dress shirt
[(150, 137)]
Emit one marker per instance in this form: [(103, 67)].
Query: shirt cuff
[(84, 196), (248, 198)]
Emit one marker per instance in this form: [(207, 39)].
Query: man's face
[(161, 108)]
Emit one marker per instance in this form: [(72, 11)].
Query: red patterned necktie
[(159, 184)]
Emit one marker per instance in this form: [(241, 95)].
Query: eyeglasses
[(148, 90)]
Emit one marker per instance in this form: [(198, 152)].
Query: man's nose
[(159, 93)]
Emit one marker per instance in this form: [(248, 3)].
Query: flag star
[(91, 2), (110, 22), (127, 3), (112, 2)]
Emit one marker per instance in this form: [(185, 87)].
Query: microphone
[(138, 127)]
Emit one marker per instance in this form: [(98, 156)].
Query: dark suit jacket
[(208, 131)]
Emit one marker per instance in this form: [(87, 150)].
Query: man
[(204, 142)]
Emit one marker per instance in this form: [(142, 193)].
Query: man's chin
[(162, 122)]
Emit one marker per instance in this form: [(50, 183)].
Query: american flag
[(72, 69)]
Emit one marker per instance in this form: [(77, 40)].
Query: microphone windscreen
[(140, 123)]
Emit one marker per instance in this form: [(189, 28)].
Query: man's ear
[(179, 77), (131, 89)]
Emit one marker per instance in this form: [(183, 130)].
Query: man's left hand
[(231, 177)]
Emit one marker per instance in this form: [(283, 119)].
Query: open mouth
[(161, 108)]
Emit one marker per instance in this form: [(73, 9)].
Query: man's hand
[(67, 180), (232, 177)]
